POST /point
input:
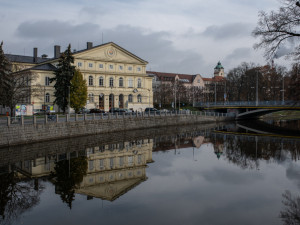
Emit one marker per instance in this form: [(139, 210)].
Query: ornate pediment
[(109, 52)]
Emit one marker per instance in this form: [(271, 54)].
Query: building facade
[(115, 77)]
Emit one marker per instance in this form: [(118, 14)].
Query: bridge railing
[(247, 103)]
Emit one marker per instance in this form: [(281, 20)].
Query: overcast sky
[(180, 36)]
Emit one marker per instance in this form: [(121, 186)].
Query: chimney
[(56, 51), (89, 45), (35, 52)]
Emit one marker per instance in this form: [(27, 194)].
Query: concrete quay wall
[(31, 133)]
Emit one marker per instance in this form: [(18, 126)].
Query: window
[(111, 66), (121, 82), (121, 161), (47, 81), (139, 98), (79, 64), (47, 97), (198, 80), (101, 66), (130, 160), (91, 81), (120, 67), (130, 82), (111, 82), (139, 83), (111, 163), (101, 164), (139, 69), (91, 165), (130, 68), (101, 81), (91, 97), (90, 65), (130, 98)]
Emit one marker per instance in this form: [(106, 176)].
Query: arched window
[(130, 98), (139, 98), (111, 82), (121, 82), (130, 82), (91, 97), (139, 83), (101, 81), (47, 97), (91, 81)]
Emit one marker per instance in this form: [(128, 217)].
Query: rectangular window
[(130, 160), (139, 69), (111, 66), (121, 161), (120, 67), (101, 66), (101, 164), (47, 81), (130, 68), (111, 162), (90, 65), (79, 64), (130, 82), (91, 165)]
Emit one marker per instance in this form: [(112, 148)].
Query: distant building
[(115, 77)]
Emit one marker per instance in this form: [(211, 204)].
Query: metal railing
[(60, 118), (248, 103)]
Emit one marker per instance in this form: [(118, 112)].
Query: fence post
[(34, 119), (57, 118), (76, 117), (94, 116), (8, 120)]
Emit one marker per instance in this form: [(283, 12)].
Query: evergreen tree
[(63, 76), (78, 91), (5, 71)]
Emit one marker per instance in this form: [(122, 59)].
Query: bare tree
[(291, 214), (276, 29)]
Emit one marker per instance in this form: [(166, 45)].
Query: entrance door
[(111, 101), (101, 101), (121, 101)]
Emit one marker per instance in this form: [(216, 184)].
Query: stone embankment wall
[(30, 133)]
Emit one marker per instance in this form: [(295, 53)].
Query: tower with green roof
[(219, 70)]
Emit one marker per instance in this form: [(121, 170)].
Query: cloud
[(228, 31), (53, 29)]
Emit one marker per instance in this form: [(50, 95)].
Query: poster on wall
[(23, 110)]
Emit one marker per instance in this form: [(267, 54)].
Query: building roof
[(24, 59), (185, 78), (46, 67), (219, 66)]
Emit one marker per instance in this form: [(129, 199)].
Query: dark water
[(183, 175)]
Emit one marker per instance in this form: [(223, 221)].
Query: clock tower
[(219, 70)]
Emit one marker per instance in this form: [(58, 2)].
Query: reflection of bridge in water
[(248, 109)]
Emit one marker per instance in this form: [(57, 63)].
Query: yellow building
[(115, 77)]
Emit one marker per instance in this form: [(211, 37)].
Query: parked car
[(96, 110), (84, 110), (117, 110), (37, 112), (151, 110)]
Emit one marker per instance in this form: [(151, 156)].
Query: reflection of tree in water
[(246, 151), (291, 213), (16, 197), (68, 174)]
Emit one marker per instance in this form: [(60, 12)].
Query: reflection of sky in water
[(183, 188)]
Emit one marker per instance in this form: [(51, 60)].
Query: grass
[(287, 115)]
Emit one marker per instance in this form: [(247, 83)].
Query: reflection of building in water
[(116, 168), (113, 169), (164, 143)]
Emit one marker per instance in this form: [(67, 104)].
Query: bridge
[(248, 109)]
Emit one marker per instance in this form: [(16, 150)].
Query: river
[(202, 174)]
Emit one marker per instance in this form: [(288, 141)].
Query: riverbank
[(31, 133)]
